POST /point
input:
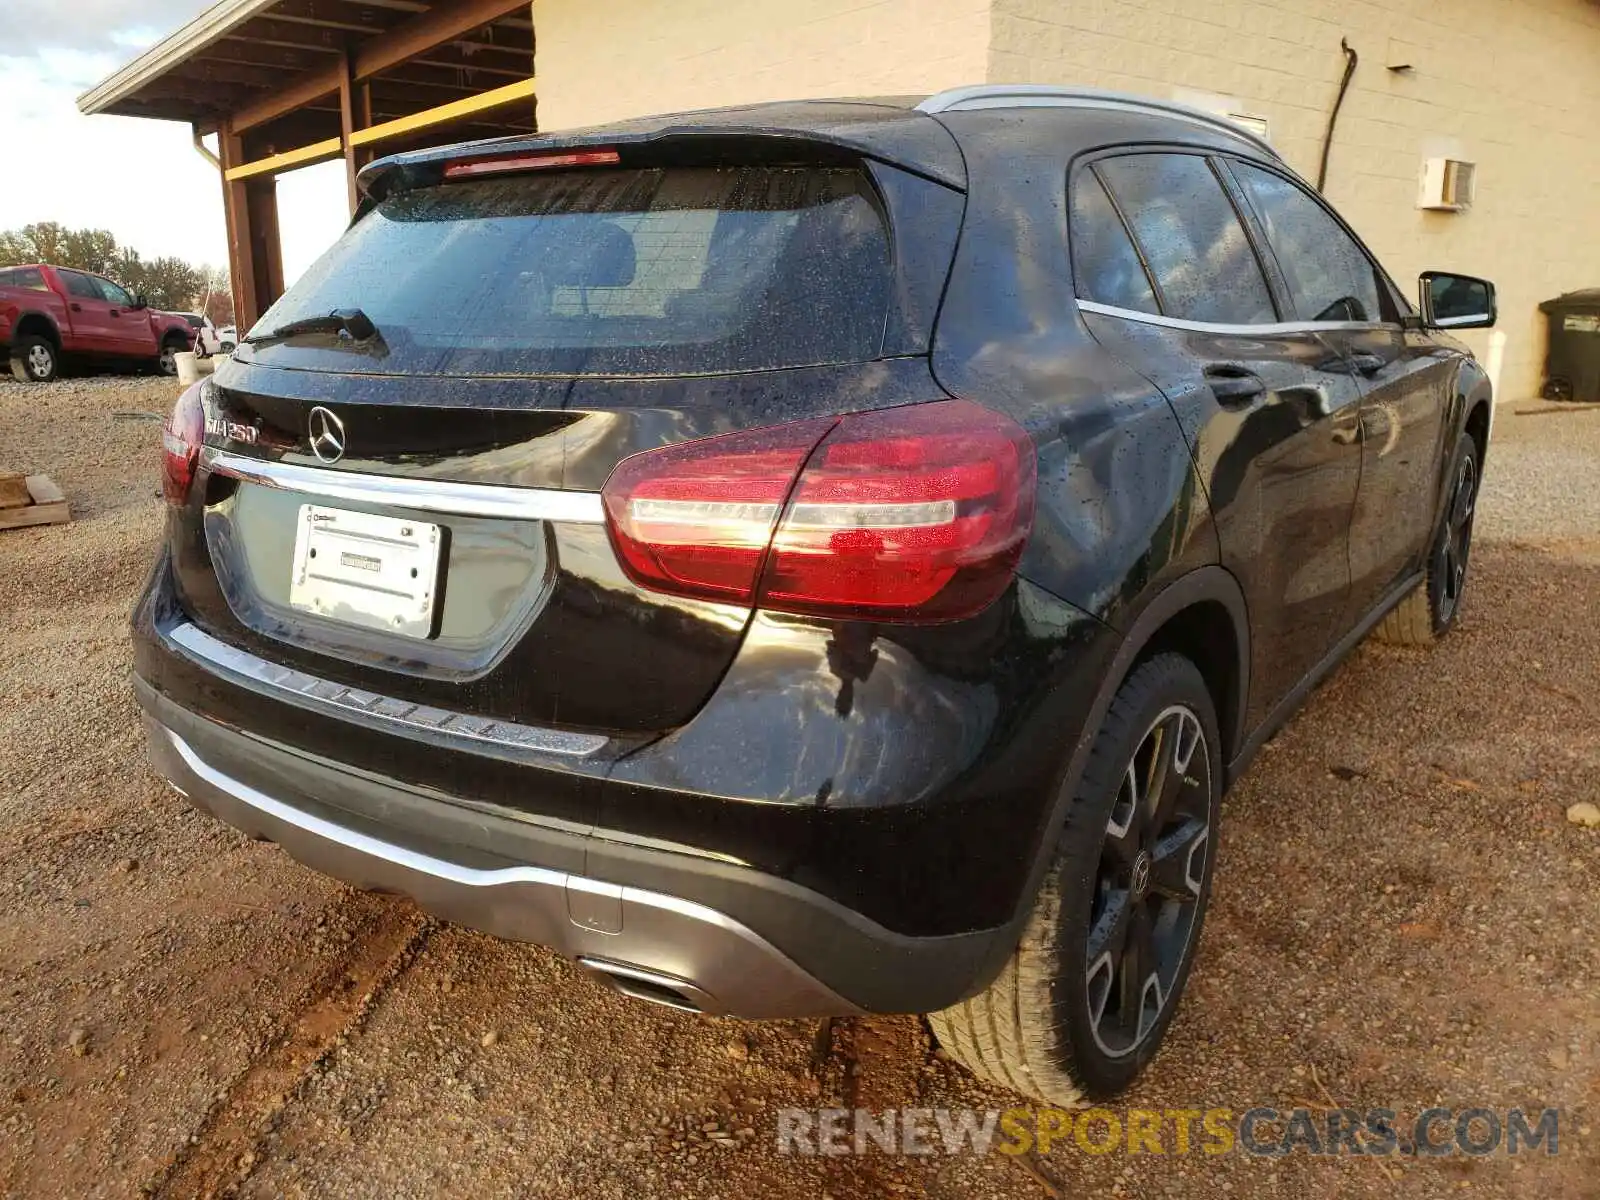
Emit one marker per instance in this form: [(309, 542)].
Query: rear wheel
[(1083, 1003), (34, 358), (1427, 614)]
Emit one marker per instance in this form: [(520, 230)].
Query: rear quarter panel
[(16, 303), (1120, 509)]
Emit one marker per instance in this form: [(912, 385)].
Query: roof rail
[(1044, 95)]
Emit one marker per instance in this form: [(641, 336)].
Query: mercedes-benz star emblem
[(1141, 874), (327, 435)]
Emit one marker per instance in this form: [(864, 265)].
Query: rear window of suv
[(615, 272)]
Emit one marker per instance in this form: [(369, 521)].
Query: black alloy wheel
[(1449, 575), (1149, 883)]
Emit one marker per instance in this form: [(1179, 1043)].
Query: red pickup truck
[(47, 313)]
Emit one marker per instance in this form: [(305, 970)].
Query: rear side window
[(1190, 236), (1330, 277), (28, 277), (80, 285), (1106, 267), (618, 272)]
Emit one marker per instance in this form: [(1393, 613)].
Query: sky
[(142, 180)]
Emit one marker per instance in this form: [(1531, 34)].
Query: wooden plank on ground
[(13, 490), (48, 507)]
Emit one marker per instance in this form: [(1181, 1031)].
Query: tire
[(1045, 1027), (34, 359), (1429, 611), (166, 361)]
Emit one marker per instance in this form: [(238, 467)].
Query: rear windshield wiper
[(341, 320)]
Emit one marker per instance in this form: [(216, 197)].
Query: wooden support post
[(255, 255), (363, 118), (241, 249), (347, 126), (268, 249)]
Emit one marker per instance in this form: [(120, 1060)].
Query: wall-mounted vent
[(1447, 184)]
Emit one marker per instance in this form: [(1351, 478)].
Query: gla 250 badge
[(236, 431)]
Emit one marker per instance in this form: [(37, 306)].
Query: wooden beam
[(353, 14), (298, 129), (252, 53), (510, 94), (315, 152), (294, 47), (251, 73), (267, 30), (297, 95), (446, 23), (410, 38)]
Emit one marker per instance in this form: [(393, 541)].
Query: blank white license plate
[(381, 572)]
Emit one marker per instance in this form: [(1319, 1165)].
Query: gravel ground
[(1403, 917), (1542, 482)]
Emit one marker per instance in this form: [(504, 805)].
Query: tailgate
[(532, 619), (416, 512)]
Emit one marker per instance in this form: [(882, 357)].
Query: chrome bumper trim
[(401, 716), (665, 940), (425, 495)]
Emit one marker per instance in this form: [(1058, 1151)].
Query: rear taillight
[(181, 438), (915, 513)]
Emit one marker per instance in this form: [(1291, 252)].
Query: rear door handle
[(1234, 386), (115, 313), (75, 306)]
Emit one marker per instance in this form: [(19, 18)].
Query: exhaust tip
[(651, 986)]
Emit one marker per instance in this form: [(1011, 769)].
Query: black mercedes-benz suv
[(812, 558)]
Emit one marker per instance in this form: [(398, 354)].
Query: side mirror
[(1456, 301), (139, 300)]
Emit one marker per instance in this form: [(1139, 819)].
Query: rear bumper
[(612, 907)]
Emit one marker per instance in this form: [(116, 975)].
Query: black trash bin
[(1572, 366)]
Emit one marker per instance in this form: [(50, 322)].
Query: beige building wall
[(1513, 85), (600, 60)]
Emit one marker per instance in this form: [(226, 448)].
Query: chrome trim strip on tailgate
[(426, 495), (401, 716)]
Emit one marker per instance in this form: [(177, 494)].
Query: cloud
[(120, 28), (141, 179)]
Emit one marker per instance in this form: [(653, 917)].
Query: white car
[(208, 339), (205, 333)]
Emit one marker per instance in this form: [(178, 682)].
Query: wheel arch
[(1193, 610), (1471, 412), (1480, 416), (37, 323)]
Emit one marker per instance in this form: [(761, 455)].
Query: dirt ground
[(1403, 917)]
